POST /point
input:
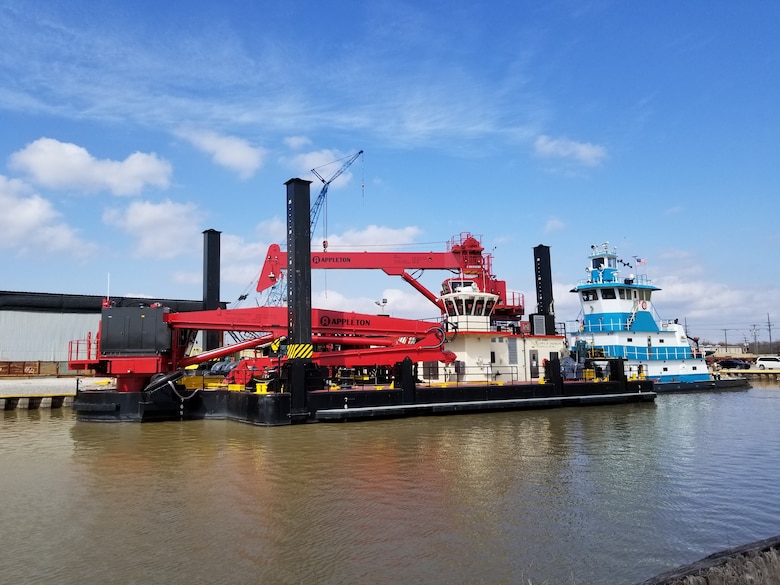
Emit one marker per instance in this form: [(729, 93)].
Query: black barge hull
[(274, 409), (703, 386)]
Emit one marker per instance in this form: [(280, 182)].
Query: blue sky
[(128, 128)]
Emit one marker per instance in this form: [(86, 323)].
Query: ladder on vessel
[(632, 316)]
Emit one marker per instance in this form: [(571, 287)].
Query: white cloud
[(297, 142), (567, 305), (327, 163), (553, 225), (584, 153), (373, 236), (241, 260), (164, 230), (404, 304), (29, 223), (274, 230), (101, 70), (63, 165), (230, 152), (238, 249)]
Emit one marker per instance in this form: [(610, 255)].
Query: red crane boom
[(464, 255)]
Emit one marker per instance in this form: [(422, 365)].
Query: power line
[(361, 246)]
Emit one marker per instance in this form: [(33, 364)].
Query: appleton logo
[(326, 321), (330, 260)]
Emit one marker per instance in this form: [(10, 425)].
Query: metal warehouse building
[(36, 328)]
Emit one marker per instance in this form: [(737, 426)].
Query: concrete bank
[(757, 563), (44, 392)]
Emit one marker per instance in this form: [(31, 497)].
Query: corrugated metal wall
[(38, 336)]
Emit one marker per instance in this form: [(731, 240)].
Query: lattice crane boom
[(278, 293), (316, 208)]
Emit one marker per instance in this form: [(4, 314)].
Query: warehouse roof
[(65, 303)]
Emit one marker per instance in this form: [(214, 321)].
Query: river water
[(600, 495)]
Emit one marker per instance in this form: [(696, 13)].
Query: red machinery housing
[(136, 344)]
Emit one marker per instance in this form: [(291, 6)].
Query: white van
[(768, 362)]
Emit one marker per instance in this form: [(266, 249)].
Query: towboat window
[(450, 307), (489, 307), (612, 262), (598, 263), (470, 306), (624, 293), (608, 293), (480, 309), (589, 295)]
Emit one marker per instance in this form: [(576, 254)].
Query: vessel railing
[(638, 279), (492, 374), (630, 352), (606, 325), (83, 350), (515, 299)]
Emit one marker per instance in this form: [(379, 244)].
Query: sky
[(129, 128)]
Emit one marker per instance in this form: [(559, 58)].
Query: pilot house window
[(589, 295), (608, 293)]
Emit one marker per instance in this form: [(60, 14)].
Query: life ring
[(644, 305)]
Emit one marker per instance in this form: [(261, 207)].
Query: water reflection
[(609, 494)]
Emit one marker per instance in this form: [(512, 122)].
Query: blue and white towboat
[(618, 321)]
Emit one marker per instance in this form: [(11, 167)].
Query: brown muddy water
[(600, 495)]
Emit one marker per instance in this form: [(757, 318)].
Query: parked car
[(768, 362), (734, 365)]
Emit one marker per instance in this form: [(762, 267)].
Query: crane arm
[(391, 263), (343, 168), (317, 206)]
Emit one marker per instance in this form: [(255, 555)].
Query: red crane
[(464, 255), (164, 339)]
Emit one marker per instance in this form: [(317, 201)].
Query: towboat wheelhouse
[(618, 320)]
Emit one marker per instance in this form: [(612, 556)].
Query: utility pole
[(755, 338), (769, 327)]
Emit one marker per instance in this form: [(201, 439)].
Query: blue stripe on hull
[(682, 378)]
